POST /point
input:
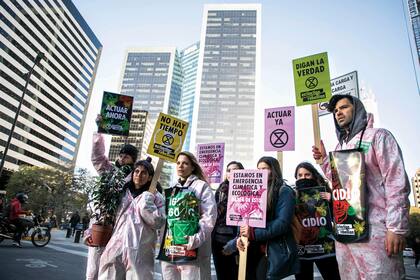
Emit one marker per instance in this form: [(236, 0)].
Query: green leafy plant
[(108, 192)]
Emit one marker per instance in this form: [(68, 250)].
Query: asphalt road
[(66, 260)]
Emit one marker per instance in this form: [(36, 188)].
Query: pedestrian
[(416, 249), (191, 213), (74, 220), (15, 218), (126, 157), (387, 188), (224, 261), (130, 252), (308, 177), (85, 221), (276, 254)]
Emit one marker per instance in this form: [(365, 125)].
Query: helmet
[(22, 197)]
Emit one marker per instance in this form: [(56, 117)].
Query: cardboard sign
[(168, 137), (312, 79), (247, 198), (280, 129), (313, 214), (116, 114), (345, 84), (210, 157)]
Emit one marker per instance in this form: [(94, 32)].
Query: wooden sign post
[(317, 132), (242, 259)]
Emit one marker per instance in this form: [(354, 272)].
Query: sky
[(367, 36)]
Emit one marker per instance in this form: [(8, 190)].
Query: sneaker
[(16, 244)]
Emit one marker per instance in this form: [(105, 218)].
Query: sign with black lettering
[(312, 79), (116, 114), (168, 137), (345, 84)]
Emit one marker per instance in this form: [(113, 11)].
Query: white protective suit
[(387, 191), (198, 269), (129, 253)]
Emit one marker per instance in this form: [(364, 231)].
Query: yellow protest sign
[(312, 79), (168, 137)]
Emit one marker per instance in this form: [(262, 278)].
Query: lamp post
[(38, 58)]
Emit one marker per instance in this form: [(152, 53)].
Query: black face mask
[(306, 183)]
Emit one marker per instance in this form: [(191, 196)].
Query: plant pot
[(101, 234)]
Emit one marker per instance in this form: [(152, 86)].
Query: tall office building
[(50, 123), (138, 126), (413, 7), (228, 79), (153, 77), (415, 183), (189, 63)]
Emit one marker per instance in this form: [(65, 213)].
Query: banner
[(116, 114), (349, 195), (247, 198), (280, 129), (168, 137), (312, 79), (345, 84), (211, 157), (313, 214)]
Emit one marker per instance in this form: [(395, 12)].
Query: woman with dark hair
[(277, 255), (307, 176), (130, 252), (224, 262), (191, 213)]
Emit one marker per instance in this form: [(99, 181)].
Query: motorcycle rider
[(15, 219)]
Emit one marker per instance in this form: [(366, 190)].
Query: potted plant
[(106, 199)]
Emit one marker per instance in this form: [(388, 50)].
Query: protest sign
[(312, 79), (345, 84), (315, 221), (116, 114), (211, 157), (280, 129), (168, 137), (247, 198)]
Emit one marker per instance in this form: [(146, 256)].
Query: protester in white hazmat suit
[(129, 253), (127, 156), (191, 214), (380, 256)]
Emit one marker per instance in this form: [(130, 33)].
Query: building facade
[(189, 63), (415, 183), (413, 7), (138, 127), (228, 79), (153, 76), (52, 116)]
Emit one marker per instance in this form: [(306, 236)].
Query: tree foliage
[(52, 190)]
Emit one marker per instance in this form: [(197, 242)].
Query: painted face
[(184, 167), (304, 173), (265, 166), (343, 112), (125, 159), (229, 170), (141, 176)]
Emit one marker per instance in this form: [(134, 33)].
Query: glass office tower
[(227, 80), (50, 123)]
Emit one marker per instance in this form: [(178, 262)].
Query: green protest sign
[(312, 79), (116, 114)]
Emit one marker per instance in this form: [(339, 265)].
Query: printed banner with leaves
[(182, 221), (116, 114), (315, 224)]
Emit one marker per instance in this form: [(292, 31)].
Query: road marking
[(61, 249), (36, 263)]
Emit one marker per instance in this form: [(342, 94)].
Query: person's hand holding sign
[(319, 153)]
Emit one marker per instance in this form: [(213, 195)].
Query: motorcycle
[(39, 233)]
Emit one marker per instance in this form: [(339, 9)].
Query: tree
[(51, 189), (414, 224)]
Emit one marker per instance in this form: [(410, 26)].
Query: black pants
[(328, 267), (416, 263), (21, 225), (226, 267)]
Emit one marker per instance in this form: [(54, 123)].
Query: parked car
[(408, 252)]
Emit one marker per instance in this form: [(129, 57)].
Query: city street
[(66, 260)]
